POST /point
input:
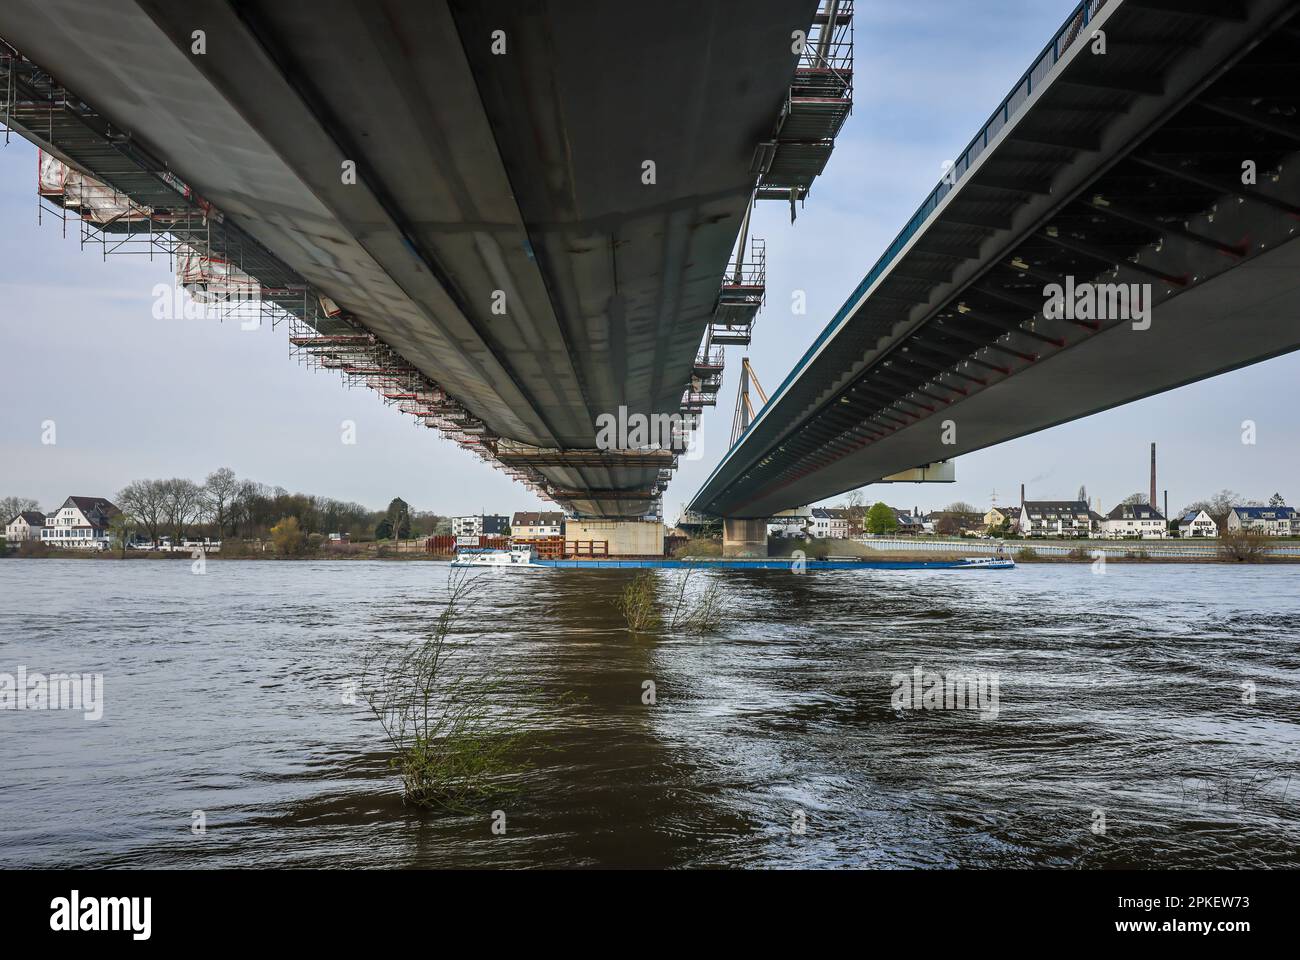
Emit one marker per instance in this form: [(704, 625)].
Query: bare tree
[(1244, 546), (145, 502), (947, 526), (219, 492), (856, 511), (10, 507), (182, 505)]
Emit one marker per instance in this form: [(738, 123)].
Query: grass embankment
[(1117, 551)]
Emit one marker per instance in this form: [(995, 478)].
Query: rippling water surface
[(224, 693)]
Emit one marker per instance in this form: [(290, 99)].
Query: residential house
[(532, 525), (1273, 521), (1197, 523), (26, 526), (82, 522), (997, 516), (954, 522), (1056, 518), (1135, 520), (853, 518), (909, 523), (829, 524)]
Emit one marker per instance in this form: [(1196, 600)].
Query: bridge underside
[(500, 236), (1248, 315), (1123, 168)]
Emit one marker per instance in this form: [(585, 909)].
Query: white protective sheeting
[(213, 280), (92, 199)]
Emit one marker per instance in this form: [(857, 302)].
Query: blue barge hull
[(771, 563)]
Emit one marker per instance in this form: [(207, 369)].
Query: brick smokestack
[(1152, 501)]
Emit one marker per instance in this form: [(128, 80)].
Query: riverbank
[(189, 555), (881, 555)]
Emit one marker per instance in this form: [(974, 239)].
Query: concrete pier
[(744, 537)]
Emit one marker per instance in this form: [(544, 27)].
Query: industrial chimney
[(1152, 501)]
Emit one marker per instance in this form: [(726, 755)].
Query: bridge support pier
[(744, 537)]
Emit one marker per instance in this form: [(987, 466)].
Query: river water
[(1123, 733)]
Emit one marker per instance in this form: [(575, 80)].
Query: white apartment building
[(1135, 520), (480, 525), (1273, 521), (1055, 518)]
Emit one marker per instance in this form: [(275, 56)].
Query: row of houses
[(1049, 518), (1073, 518)]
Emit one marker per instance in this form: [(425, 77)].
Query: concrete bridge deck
[(1153, 144), (500, 234)]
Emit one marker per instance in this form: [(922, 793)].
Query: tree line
[(226, 506)]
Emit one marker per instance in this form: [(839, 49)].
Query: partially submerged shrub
[(637, 604), (691, 612), (451, 746), (700, 612)]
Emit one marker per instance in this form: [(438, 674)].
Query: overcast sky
[(132, 396)]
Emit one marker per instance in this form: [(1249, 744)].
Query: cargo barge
[(523, 557)]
